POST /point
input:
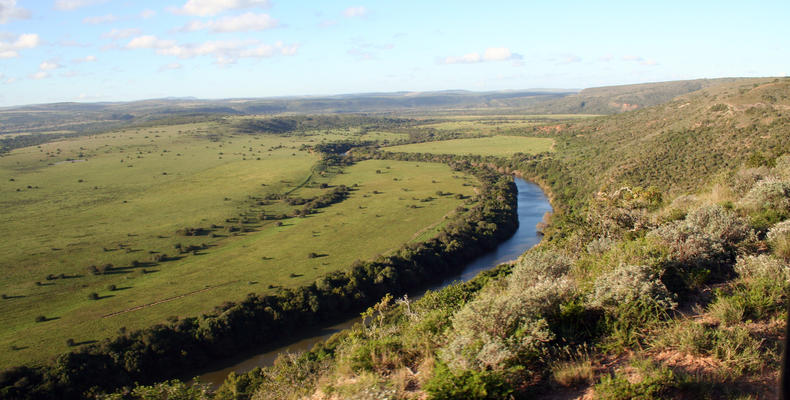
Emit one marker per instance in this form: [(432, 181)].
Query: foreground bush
[(506, 326), (630, 284)]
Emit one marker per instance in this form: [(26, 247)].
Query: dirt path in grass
[(135, 308)]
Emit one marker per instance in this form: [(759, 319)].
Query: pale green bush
[(707, 234), (763, 267), (746, 178), (630, 284), (600, 245), (782, 167), (779, 239), (506, 325), (768, 194)]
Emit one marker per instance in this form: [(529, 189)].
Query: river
[(532, 204)]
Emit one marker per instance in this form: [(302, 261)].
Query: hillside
[(676, 147), (664, 275), (616, 99)]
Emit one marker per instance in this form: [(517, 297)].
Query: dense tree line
[(155, 353)]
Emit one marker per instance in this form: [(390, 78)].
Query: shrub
[(768, 197), (573, 373), (630, 284), (446, 384), (505, 325), (599, 245), (728, 310), (782, 167), (763, 267), (779, 239), (41, 318), (687, 336), (739, 351), (702, 246), (166, 390), (93, 296), (654, 382), (760, 291), (745, 179)]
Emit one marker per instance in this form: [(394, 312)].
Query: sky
[(121, 50)]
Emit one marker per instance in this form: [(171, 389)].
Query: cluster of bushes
[(336, 195), (155, 353), (188, 231)]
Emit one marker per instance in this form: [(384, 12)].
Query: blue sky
[(116, 50)]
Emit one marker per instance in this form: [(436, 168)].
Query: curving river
[(532, 204)]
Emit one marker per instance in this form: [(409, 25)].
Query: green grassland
[(486, 146), (136, 188)]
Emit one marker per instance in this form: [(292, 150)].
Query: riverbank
[(532, 204)]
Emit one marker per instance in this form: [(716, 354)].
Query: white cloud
[(9, 10), (205, 8), (116, 34), (85, 59), (48, 66), (72, 43), (570, 59), (68, 5), (497, 54), (39, 75), (464, 59), (149, 42), (23, 41), (240, 23), (223, 51), (368, 51), (606, 58), (327, 23), (358, 11), (99, 19), (147, 13), (641, 60), (490, 54), (170, 67)]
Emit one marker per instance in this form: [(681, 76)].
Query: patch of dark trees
[(179, 346), (298, 124), (340, 147)]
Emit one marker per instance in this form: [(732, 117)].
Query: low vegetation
[(663, 273), (502, 146)]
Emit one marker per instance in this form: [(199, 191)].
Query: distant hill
[(683, 142), (616, 99), (92, 117)]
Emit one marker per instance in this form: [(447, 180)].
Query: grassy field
[(135, 189), (486, 146)]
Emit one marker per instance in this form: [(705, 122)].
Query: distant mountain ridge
[(87, 117)]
